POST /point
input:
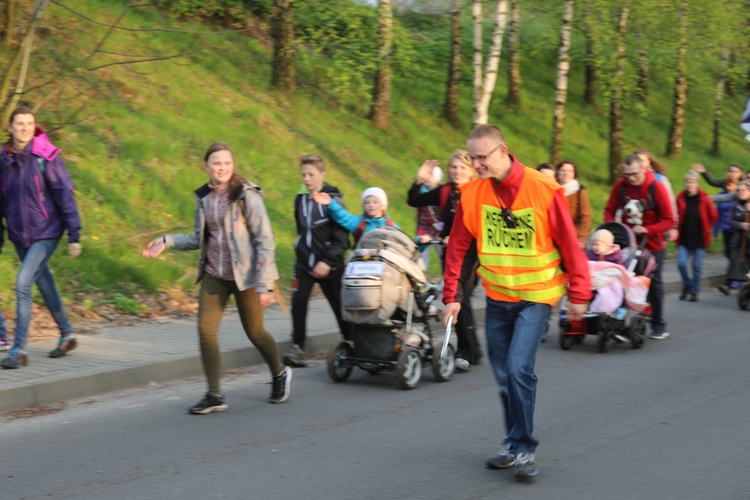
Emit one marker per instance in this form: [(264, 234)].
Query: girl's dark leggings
[(213, 299)]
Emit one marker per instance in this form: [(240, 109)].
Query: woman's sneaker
[(209, 404), (16, 359), (5, 344), (64, 346), (281, 387)]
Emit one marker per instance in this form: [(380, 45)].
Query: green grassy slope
[(135, 155)]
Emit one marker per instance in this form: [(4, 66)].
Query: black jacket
[(318, 237), (432, 198)]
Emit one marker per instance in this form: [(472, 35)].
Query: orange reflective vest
[(520, 263)]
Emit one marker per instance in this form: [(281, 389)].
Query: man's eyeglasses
[(482, 158), (630, 174)]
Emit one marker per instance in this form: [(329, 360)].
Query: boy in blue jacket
[(374, 206)]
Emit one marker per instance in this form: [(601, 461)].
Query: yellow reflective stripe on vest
[(519, 261), (519, 279), (531, 296)]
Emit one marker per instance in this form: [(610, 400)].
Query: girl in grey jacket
[(237, 247)]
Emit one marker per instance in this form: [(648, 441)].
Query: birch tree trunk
[(282, 34), (476, 62), (382, 92), (718, 97), (676, 128), (563, 67), (454, 72), (615, 101), (514, 59), (493, 60), (642, 83)]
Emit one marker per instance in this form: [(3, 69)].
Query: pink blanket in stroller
[(610, 281)]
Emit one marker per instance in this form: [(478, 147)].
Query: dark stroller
[(389, 303), (628, 322)]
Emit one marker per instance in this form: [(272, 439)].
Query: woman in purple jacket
[(37, 206)]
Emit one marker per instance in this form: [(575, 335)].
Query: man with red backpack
[(640, 184)]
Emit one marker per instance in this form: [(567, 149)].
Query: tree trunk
[(718, 96), (676, 128), (10, 21), (382, 92), (454, 72), (476, 62), (20, 58), (514, 59), (642, 84), (282, 34), (731, 74), (490, 73), (589, 91), (563, 67), (615, 101), (28, 42)]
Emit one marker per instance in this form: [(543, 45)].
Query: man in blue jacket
[(36, 206)]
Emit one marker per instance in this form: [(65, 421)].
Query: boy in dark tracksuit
[(319, 249)]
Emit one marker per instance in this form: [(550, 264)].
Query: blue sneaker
[(16, 359), (503, 459), (5, 344), (526, 466)]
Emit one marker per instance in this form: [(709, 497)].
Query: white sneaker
[(658, 335), (462, 365)]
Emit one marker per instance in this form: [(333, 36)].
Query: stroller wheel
[(743, 297), (337, 363), (605, 339), (443, 368), (566, 340), (409, 368), (637, 331)]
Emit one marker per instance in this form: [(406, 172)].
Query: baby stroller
[(628, 322), (389, 303)]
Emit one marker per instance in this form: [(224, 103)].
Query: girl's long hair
[(657, 166)]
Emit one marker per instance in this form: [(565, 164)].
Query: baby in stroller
[(386, 298), (620, 272)]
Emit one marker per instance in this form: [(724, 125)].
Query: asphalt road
[(671, 420)]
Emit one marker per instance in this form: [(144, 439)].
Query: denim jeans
[(514, 332), (34, 270), (3, 329), (692, 285)]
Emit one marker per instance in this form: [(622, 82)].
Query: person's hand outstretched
[(425, 172), (698, 167), (322, 198), (155, 247)]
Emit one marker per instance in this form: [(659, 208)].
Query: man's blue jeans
[(34, 270), (693, 284), (514, 332)]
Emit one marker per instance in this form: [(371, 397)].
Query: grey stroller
[(387, 299)]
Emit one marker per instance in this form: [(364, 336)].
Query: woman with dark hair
[(578, 200), (237, 245), (446, 198), (660, 171), (547, 169)]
